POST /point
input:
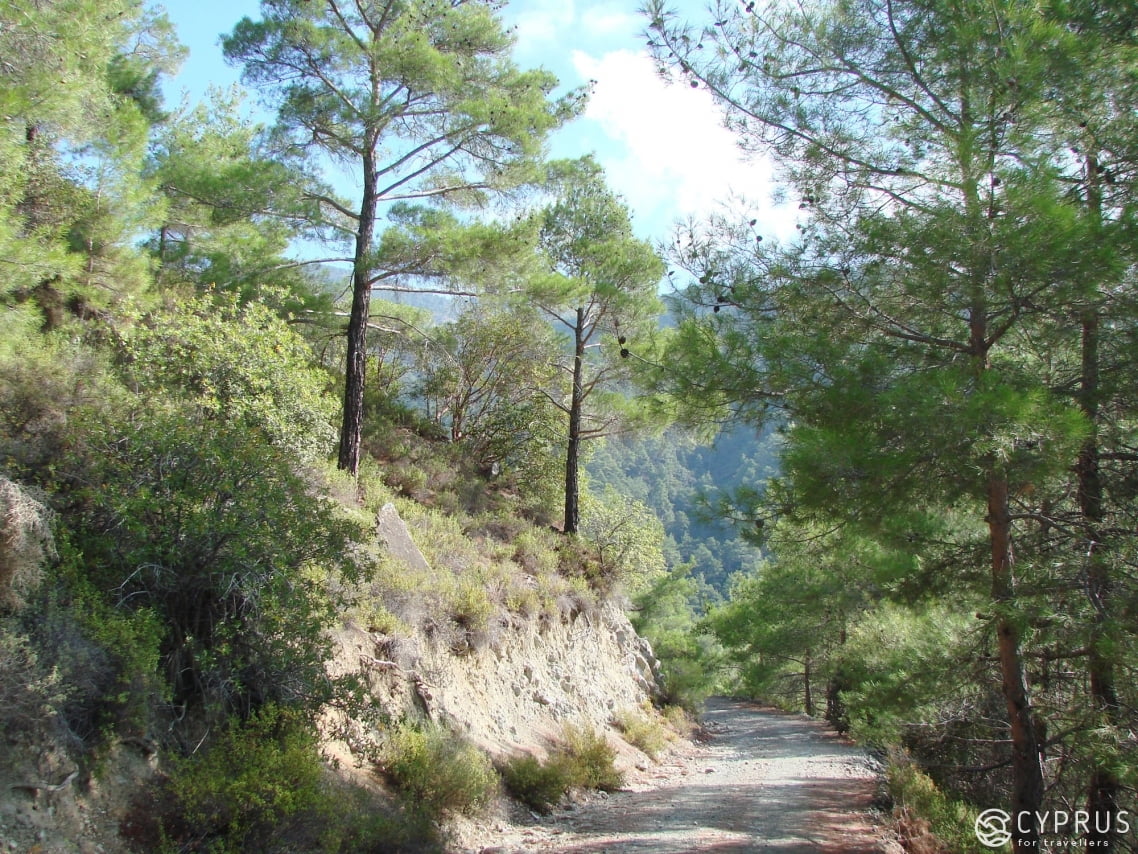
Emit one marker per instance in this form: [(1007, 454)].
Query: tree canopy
[(912, 337)]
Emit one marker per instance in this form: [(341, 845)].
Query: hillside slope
[(513, 693)]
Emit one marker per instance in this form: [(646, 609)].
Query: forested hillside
[(200, 421), (693, 488), (219, 362)]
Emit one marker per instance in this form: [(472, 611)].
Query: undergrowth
[(437, 772), (263, 786), (928, 820), (582, 759), (490, 562), (645, 729)]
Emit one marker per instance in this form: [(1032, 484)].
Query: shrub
[(437, 771), (590, 759), (28, 691), (535, 551), (262, 786), (539, 785), (25, 543), (210, 529), (470, 606), (643, 730), (44, 384), (253, 778), (929, 818), (239, 364), (108, 656), (583, 759)]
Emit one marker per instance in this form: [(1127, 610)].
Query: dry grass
[(25, 544)]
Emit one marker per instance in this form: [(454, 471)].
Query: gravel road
[(763, 781)]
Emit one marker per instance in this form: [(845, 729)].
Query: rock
[(392, 532)]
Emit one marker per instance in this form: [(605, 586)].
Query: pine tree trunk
[(573, 453), (1104, 788), (1027, 766), (808, 675), (351, 429)]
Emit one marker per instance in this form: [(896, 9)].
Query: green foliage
[(691, 487), (232, 205), (602, 293), (539, 785), (667, 614), (451, 57), (926, 816), (263, 786), (626, 538), (484, 377), (590, 758), (421, 97), (256, 775), (111, 656), (644, 729), (30, 693), (241, 366), (438, 772), (583, 758), (905, 666), (935, 342), (71, 150), (48, 384), (213, 530), (196, 554)]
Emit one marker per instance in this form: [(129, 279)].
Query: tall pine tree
[(420, 98)]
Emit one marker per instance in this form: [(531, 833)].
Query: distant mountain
[(681, 480)]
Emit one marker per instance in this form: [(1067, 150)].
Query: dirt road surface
[(763, 781)]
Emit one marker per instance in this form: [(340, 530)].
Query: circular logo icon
[(994, 828)]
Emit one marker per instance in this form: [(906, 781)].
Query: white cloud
[(670, 156)]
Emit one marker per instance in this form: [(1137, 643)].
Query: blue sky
[(662, 145)]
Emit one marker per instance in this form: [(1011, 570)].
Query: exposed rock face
[(511, 691), (392, 532), (515, 690)]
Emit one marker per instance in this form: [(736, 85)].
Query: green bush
[(690, 658), (211, 530), (539, 785), (253, 778), (925, 811), (590, 759), (643, 730), (583, 759), (238, 364), (438, 772)]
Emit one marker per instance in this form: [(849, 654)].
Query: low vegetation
[(928, 820), (645, 729), (437, 772), (582, 759)]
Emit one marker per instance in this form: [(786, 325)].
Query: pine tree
[(419, 97), (603, 293)]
